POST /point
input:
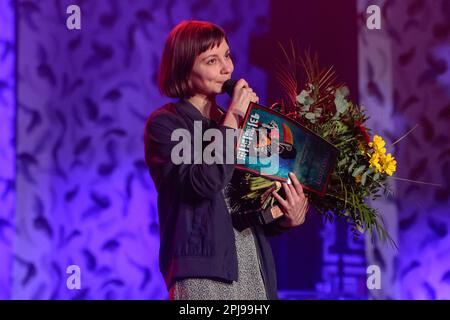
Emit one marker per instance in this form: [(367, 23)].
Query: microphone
[(228, 86)]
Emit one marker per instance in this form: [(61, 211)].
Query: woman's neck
[(206, 105)]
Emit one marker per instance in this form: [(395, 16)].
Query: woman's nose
[(227, 67)]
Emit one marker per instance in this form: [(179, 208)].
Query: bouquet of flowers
[(363, 165)]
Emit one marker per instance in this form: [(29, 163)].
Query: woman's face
[(211, 69)]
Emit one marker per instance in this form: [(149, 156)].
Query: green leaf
[(358, 170), (364, 176), (304, 98), (351, 166), (310, 116), (339, 100), (342, 162)]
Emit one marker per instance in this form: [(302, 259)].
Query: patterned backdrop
[(7, 147), (84, 196), (404, 81), (74, 187)]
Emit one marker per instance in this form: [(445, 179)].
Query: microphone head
[(228, 86)]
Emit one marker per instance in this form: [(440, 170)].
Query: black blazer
[(196, 231)]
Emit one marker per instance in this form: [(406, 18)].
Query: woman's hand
[(242, 96), (295, 206)]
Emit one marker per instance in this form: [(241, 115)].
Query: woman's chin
[(215, 92)]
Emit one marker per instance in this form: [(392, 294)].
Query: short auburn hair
[(185, 42)]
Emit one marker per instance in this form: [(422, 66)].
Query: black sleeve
[(205, 180), (274, 228)]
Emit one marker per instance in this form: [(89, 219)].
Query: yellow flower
[(389, 164), (375, 162), (358, 178), (378, 144)]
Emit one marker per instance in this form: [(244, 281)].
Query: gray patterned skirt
[(250, 284)]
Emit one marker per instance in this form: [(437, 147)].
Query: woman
[(202, 256)]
